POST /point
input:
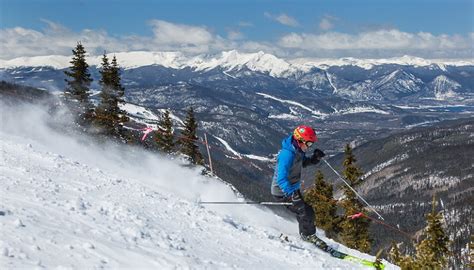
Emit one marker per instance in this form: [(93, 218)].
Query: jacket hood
[(287, 144)]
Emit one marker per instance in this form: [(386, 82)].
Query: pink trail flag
[(145, 132), (358, 215)]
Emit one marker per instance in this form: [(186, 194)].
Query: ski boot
[(315, 240), (323, 246)]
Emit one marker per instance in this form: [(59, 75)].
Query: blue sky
[(378, 28)]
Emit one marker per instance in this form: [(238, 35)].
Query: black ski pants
[(305, 217)]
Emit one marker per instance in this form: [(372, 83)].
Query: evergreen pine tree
[(355, 232), (320, 197), (104, 115), (408, 263), (119, 91), (116, 80), (405, 262), (164, 136), (109, 116), (77, 89), (394, 254), (188, 139), (432, 251)]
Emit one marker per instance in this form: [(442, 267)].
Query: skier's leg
[(306, 221), (305, 218)]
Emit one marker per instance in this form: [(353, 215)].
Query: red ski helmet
[(304, 134)]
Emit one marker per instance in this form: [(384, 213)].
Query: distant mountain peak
[(444, 87), (231, 60)]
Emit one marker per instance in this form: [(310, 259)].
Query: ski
[(319, 243)]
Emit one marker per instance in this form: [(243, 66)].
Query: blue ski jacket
[(287, 176)]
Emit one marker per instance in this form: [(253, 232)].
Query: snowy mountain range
[(356, 79), (230, 60)]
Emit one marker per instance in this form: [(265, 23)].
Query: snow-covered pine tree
[(77, 90), (354, 232), (188, 139), (164, 136), (320, 197), (432, 251)]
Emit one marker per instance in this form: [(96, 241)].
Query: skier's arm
[(285, 159), (306, 161), (314, 159)]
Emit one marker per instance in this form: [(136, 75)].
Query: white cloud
[(55, 39), (282, 18), (253, 46), (293, 40), (381, 40), (234, 35), (326, 24), (180, 34)]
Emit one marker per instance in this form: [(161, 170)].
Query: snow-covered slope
[(69, 203), (444, 88)]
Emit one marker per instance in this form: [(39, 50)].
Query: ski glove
[(315, 158), (297, 201)]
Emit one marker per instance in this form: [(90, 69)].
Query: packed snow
[(145, 116), (360, 109), (239, 155), (138, 111), (316, 113), (227, 146), (294, 103), (70, 203), (285, 116)]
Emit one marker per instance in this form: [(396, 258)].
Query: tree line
[(431, 252), (107, 119)]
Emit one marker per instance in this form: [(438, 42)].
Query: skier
[(286, 179)]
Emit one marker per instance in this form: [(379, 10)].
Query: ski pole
[(340, 177), (249, 202)]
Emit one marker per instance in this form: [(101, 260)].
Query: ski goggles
[(308, 143)]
